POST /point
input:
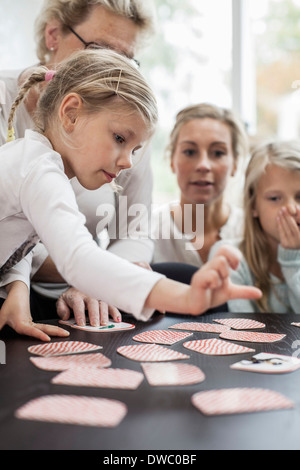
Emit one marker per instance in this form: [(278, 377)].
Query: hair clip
[(10, 135), (49, 75), (117, 87)]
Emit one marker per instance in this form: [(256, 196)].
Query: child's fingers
[(62, 309), (231, 254), (244, 292)]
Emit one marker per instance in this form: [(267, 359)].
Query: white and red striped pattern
[(165, 373), (241, 323), (239, 400), (203, 327), (216, 347), (57, 363), (62, 347), (150, 353), (161, 337), (72, 409), (103, 378), (252, 336)]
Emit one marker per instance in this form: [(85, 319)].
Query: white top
[(136, 186), (284, 295), (176, 246), (37, 201)]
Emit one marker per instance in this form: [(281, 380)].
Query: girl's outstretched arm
[(210, 287)]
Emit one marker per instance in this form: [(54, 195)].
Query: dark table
[(158, 418)]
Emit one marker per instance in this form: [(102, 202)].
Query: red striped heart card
[(104, 378), (216, 347), (72, 409), (57, 363), (62, 347), (165, 373), (252, 337), (202, 327), (161, 337), (239, 400), (240, 323), (150, 353)]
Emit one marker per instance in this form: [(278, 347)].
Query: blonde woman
[(271, 241), (94, 114), (63, 27), (206, 145)]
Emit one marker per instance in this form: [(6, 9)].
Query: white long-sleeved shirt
[(38, 202), (284, 296), (136, 185)]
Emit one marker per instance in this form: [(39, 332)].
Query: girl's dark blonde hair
[(73, 12), (255, 246), (103, 79), (205, 110)]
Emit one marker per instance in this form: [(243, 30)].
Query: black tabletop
[(158, 418)]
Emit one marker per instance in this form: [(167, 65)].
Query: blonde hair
[(73, 12), (285, 155), (102, 79), (206, 110)]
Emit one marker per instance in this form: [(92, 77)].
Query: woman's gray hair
[(73, 12)]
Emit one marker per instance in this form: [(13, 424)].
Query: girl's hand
[(289, 228), (79, 303), (211, 285), (15, 312)]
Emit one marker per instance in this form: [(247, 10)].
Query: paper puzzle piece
[(62, 347), (241, 323), (202, 327), (57, 363), (161, 337), (165, 373), (104, 378), (252, 336), (239, 400), (72, 409), (150, 353), (266, 363), (110, 328), (216, 347)]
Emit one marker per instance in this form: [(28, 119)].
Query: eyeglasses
[(96, 45)]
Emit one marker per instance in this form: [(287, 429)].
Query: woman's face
[(203, 160), (101, 26)]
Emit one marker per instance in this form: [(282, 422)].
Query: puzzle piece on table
[(111, 327), (73, 409), (240, 323), (161, 337), (57, 363), (62, 347), (216, 347), (267, 363), (202, 327), (104, 378), (239, 400), (150, 353), (252, 337), (165, 373)]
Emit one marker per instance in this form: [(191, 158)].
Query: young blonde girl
[(94, 113), (271, 242)]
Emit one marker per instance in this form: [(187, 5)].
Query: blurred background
[(241, 54)]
